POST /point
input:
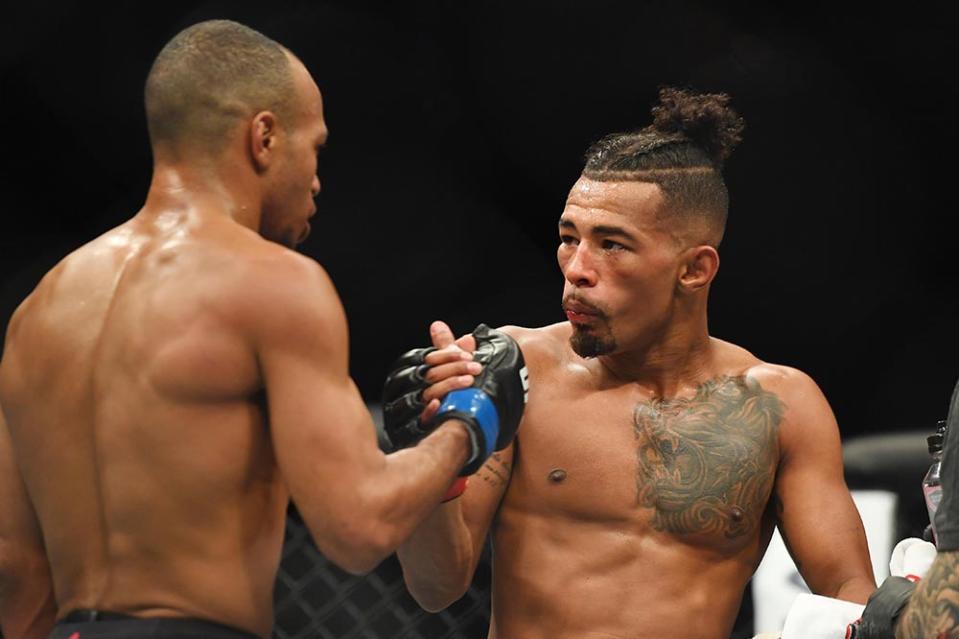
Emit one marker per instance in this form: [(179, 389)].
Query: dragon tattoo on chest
[(706, 464)]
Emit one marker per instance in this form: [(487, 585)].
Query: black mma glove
[(493, 406), (882, 610), (403, 401)]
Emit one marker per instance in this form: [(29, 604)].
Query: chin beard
[(586, 343)]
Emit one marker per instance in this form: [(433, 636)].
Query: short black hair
[(683, 151), (211, 75)]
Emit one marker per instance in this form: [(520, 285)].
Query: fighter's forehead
[(629, 201)]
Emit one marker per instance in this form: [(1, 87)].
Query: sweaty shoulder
[(283, 294), (794, 387), (75, 290), (806, 414), (785, 381), (542, 347)]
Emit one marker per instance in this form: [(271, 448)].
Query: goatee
[(587, 343)]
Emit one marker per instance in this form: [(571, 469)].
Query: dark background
[(458, 128), (456, 131)]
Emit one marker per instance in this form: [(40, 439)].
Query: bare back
[(136, 413), (630, 516)]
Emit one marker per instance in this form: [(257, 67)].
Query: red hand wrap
[(456, 489)]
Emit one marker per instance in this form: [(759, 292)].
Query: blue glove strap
[(475, 402)]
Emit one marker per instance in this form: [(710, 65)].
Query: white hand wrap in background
[(911, 556), (815, 617)]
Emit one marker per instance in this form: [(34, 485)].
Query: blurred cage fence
[(314, 599)]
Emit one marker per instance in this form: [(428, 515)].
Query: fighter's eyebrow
[(599, 229), (603, 229)]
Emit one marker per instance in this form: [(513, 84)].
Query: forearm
[(933, 610), (371, 520), (416, 479), (438, 558), (27, 606), (856, 589)]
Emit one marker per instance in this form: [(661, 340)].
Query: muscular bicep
[(817, 516), (322, 433)]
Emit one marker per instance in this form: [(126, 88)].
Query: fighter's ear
[(698, 267), (263, 139)]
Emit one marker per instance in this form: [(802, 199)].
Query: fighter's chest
[(701, 467)]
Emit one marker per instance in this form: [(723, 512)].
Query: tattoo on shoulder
[(495, 471), (707, 463), (933, 610)]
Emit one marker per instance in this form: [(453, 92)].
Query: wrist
[(464, 440), (475, 409)]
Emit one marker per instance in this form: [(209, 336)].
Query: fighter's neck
[(202, 190), (679, 358)]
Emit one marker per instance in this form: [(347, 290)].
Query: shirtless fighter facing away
[(653, 460), (169, 386)]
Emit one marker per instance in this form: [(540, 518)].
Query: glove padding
[(493, 406), (947, 515), (403, 401), (883, 610)]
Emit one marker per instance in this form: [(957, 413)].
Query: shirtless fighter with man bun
[(653, 460), (169, 386)]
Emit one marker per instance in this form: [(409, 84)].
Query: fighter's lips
[(579, 313)]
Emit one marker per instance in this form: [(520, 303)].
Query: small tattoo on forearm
[(495, 471)]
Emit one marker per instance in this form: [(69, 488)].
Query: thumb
[(441, 334)]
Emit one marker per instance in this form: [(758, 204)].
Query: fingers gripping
[(492, 407), (402, 397), (418, 379), (441, 334)]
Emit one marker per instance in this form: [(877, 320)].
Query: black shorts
[(110, 625)]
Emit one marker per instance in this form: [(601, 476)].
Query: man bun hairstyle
[(683, 151)]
